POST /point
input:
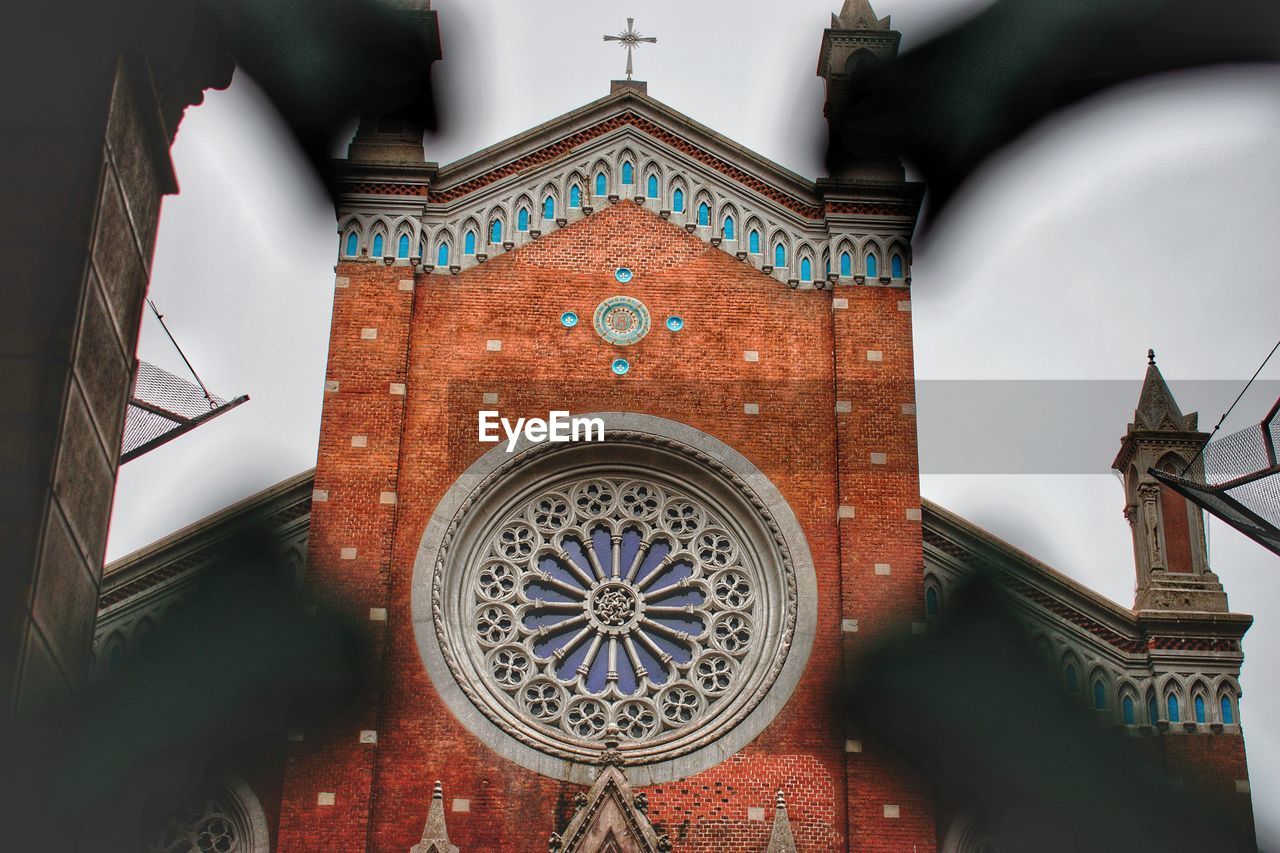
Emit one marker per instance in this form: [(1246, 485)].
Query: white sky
[(1148, 217)]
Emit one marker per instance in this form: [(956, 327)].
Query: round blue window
[(620, 366), (675, 322), (623, 274), (568, 319)]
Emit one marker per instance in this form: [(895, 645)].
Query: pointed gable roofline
[(1157, 409)]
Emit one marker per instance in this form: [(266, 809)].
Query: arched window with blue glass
[(806, 269), (522, 219), (895, 266), (1172, 705), (1072, 678), (601, 184), (704, 214), (753, 242), (677, 200), (1228, 710), (353, 245), (1099, 695), (871, 265), (728, 228), (628, 172), (442, 255), (931, 605), (846, 264), (377, 245), (1127, 711), (1199, 708), (495, 231), (402, 246), (548, 208), (1152, 711), (779, 255), (469, 243), (651, 187), (575, 196)]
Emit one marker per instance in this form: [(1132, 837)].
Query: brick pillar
[(329, 774), (890, 807)]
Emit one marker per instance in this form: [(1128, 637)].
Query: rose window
[(590, 589)]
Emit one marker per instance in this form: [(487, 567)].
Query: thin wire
[(204, 390), (1216, 426)]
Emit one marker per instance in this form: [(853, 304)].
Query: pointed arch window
[(753, 242), (469, 243), (846, 264), (895, 266), (1199, 709), (704, 214), (1099, 695), (628, 173), (353, 245), (728, 228), (442, 255), (548, 208), (677, 200), (522, 219), (575, 196), (1126, 710), (377, 245), (806, 270), (1173, 708), (1152, 714), (1072, 679), (1228, 712), (779, 255), (601, 188), (930, 601), (402, 248), (871, 266), (826, 267), (651, 190), (495, 231)]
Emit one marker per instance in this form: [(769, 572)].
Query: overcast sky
[(1146, 218)]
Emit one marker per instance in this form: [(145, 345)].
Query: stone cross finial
[(630, 39)]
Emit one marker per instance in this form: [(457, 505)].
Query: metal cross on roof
[(630, 39)]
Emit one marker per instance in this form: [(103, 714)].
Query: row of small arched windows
[(1173, 711)]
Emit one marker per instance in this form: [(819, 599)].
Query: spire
[(858, 15), (1157, 410), (780, 839), (435, 836)]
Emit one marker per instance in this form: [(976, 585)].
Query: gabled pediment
[(611, 819)]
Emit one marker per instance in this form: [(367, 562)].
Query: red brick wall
[(418, 444)]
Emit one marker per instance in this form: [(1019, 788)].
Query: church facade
[(637, 643)]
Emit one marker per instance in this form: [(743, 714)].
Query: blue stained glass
[(652, 190), (1199, 709), (442, 255), (402, 250), (779, 256), (575, 196), (688, 624), (753, 241), (377, 245), (630, 547), (628, 176), (469, 243), (871, 266), (574, 549), (567, 666), (728, 227), (657, 674), (895, 266), (495, 231), (353, 244), (522, 219), (1073, 683), (600, 184), (599, 670), (1099, 695), (674, 573), (1126, 708), (552, 640), (679, 598), (806, 270), (1228, 716), (931, 601), (679, 654), (846, 264), (704, 214), (677, 201), (1173, 708), (548, 208), (602, 544), (1151, 710), (660, 549)]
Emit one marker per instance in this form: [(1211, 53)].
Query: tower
[(1169, 548)]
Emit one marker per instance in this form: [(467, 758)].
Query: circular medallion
[(622, 320), (568, 319), (620, 366), (675, 322), (623, 274)]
